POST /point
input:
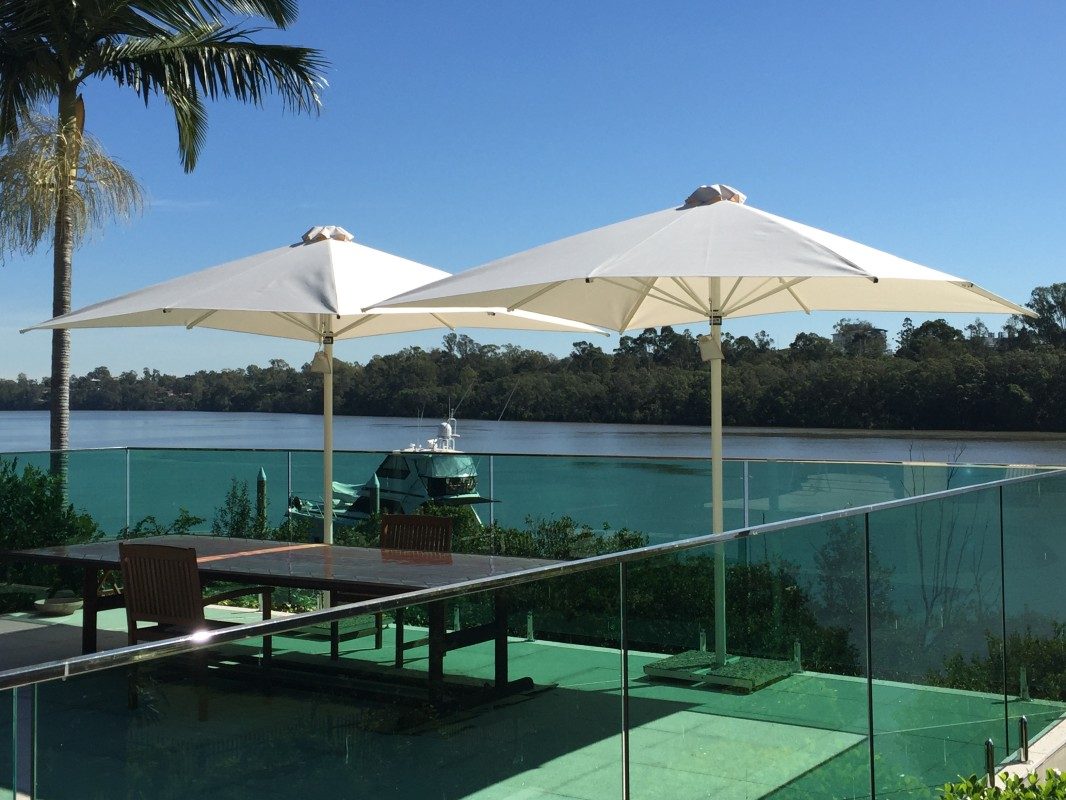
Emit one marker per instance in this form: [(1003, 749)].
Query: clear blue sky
[(454, 133)]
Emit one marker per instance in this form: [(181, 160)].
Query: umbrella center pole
[(327, 442), (715, 356)]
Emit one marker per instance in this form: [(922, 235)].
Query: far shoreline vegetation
[(935, 377)]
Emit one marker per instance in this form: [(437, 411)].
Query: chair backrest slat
[(161, 584), (416, 532)]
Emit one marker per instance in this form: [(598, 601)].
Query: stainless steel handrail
[(478, 454), (136, 654)]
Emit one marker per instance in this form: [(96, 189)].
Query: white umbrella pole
[(717, 516), (327, 443)]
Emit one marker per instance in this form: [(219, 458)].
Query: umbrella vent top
[(320, 233), (705, 195)]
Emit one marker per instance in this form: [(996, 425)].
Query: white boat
[(405, 481)]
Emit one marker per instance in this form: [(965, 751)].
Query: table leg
[(500, 603), (436, 649), (334, 633), (90, 601), (399, 637)]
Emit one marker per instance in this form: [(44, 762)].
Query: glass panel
[(787, 715), (165, 482), (661, 499), (936, 587), (220, 724), (95, 482), (1034, 520)]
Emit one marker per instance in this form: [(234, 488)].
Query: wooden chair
[(407, 533), (416, 532), (161, 585)]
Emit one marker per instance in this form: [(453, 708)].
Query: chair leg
[(132, 693), (200, 671)]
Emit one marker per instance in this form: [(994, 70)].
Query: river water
[(28, 430)]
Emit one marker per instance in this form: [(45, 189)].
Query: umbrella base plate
[(741, 673)]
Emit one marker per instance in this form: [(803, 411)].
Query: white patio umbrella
[(316, 290), (712, 257)]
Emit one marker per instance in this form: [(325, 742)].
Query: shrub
[(34, 512), (1014, 788), (150, 526), (235, 518)]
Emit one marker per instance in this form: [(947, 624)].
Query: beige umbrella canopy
[(316, 290), (710, 258)]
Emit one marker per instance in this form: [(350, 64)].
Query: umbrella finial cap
[(706, 195), (320, 233)]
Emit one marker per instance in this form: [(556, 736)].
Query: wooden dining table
[(363, 571)]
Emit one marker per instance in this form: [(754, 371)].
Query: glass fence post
[(14, 729), (623, 646), (1003, 621), (492, 492), (33, 742), (127, 488), (24, 742), (869, 655), (747, 496), (288, 476)]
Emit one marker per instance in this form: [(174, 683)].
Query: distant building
[(861, 340)]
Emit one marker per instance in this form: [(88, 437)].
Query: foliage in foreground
[(34, 512), (1029, 787)]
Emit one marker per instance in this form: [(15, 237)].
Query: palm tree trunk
[(63, 255)]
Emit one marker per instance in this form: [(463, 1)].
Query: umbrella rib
[(442, 322), (661, 294), (657, 293), (535, 295), (641, 297), (752, 291), (733, 291), (298, 323), (785, 286), (796, 297), (200, 319), (690, 292), (365, 318)]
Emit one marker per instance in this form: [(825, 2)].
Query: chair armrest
[(241, 591)]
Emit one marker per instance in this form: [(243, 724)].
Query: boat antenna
[(507, 402), (452, 411)]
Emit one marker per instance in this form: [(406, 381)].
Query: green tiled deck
[(804, 736)]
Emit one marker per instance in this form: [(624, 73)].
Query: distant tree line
[(935, 377)]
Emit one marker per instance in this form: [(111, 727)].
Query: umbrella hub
[(320, 233), (706, 195)]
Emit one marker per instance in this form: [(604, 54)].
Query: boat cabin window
[(441, 487), (393, 467)]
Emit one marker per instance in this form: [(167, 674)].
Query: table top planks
[(365, 570)]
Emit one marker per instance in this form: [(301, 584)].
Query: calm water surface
[(28, 430)]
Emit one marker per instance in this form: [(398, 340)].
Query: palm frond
[(28, 70), (281, 13), (34, 179), (211, 62)]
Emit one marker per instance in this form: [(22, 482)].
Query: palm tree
[(31, 178), (186, 51)]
